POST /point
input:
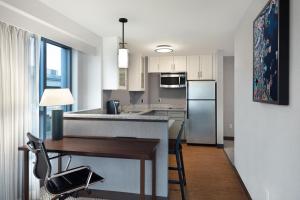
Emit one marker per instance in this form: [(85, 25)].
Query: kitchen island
[(121, 174)]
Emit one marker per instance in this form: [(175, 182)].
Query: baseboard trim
[(239, 177), (229, 138), (112, 195), (220, 146)]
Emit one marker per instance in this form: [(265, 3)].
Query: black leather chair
[(62, 184), (175, 148)]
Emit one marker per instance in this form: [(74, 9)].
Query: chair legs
[(181, 173), (182, 167)]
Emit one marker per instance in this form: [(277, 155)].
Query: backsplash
[(174, 96), (152, 95)]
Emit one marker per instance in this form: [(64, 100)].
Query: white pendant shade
[(123, 58), (56, 97)]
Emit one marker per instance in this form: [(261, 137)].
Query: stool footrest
[(175, 168), (174, 182)]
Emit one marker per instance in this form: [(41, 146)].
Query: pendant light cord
[(123, 20), (123, 45)]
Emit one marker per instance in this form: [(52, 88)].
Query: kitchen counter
[(134, 122), (133, 113), (121, 117)]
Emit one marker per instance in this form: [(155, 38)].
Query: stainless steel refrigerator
[(201, 112)]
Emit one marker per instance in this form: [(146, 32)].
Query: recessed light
[(163, 49)]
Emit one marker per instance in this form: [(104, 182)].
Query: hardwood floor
[(209, 176)]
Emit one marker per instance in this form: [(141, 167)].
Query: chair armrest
[(29, 146), (88, 179), (59, 156), (68, 172)]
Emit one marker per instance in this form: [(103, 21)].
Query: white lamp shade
[(56, 97), (123, 58)]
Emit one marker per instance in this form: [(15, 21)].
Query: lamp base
[(57, 124)]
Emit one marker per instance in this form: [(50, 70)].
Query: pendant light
[(123, 52)]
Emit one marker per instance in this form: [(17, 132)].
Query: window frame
[(43, 79)]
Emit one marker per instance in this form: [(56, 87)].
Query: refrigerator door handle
[(187, 110), (187, 100)]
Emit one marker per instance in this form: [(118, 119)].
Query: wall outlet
[(267, 194), (230, 126)]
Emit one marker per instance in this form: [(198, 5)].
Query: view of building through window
[(54, 65)]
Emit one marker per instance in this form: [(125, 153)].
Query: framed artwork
[(271, 54)]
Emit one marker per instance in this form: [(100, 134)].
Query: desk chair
[(62, 184), (175, 148)]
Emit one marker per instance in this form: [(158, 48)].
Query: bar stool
[(175, 148)]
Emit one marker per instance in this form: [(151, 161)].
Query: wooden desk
[(124, 148)]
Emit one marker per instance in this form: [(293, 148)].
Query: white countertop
[(132, 112), (133, 117), (137, 112)]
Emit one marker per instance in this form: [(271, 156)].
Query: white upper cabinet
[(200, 67), (206, 67), (153, 64), (167, 64), (179, 64), (123, 82), (193, 67), (136, 73)]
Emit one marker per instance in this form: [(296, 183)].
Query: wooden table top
[(112, 147)]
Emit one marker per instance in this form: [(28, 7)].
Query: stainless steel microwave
[(172, 80)]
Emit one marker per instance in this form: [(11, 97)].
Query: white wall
[(36, 17), (86, 83), (218, 66), (267, 136), (228, 74)]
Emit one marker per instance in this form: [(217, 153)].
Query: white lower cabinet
[(179, 117)]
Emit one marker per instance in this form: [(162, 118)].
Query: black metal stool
[(175, 148)]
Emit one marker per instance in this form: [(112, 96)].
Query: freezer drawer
[(201, 90), (201, 122)]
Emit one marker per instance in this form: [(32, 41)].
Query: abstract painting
[(271, 54)]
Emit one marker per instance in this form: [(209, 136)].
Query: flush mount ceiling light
[(163, 49), (123, 52)]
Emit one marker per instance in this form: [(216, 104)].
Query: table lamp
[(57, 98)]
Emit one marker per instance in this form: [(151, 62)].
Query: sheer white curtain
[(19, 111)]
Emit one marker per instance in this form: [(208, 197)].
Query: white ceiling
[(190, 26)]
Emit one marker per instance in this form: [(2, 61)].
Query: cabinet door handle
[(198, 74), (201, 74)]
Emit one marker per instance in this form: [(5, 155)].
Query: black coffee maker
[(112, 107)]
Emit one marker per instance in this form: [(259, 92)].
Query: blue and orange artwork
[(265, 55)]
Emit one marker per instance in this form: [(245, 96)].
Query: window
[(55, 72)]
